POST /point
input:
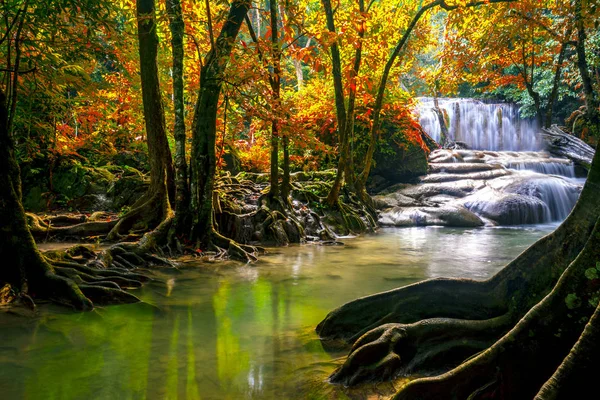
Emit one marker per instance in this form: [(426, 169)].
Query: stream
[(232, 331)]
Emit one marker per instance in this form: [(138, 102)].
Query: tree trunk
[(177, 27), (23, 267), (285, 182), (204, 128), (340, 107), (153, 208), (275, 81), (591, 97)]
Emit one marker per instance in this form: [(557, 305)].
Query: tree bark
[(177, 28), (155, 206), (275, 81), (204, 127), (340, 107), (556, 81), (591, 97)]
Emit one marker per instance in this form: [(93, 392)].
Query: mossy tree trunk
[(204, 129), (153, 208), (275, 82), (177, 28), (340, 107), (23, 267)]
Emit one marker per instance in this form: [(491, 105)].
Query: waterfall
[(503, 176), (481, 126)]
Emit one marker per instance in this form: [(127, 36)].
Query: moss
[(34, 199)]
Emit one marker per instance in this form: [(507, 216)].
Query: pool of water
[(231, 331)]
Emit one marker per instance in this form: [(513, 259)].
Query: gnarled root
[(518, 364), (42, 230), (426, 346), (234, 250), (147, 213), (87, 274), (449, 298)]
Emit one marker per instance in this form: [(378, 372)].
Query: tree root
[(147, 213), (518, 364), (426, 346), (236, 251), (448, 298), (575, 377), (41, 230)]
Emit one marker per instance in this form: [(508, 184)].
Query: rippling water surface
[(231, 331)]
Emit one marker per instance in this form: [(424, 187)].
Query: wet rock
[(443, 177), (465, 167), (448, 215), (502, 187), (507, 208), (393, 200), (127, 191)]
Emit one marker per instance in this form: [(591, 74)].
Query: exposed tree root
[(576, 376), (426, 346), (146, 214), (234, 250), (518, 364), (42, 230)]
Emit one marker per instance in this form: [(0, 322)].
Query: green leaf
[(591, 273), (572, 301)]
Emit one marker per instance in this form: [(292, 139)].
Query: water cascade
[(480, 125), (504, 178)]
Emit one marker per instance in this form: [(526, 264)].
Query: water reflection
[(226, 331)]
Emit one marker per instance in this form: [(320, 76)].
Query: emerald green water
[(231, 331)]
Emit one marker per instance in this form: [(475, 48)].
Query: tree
[(345, 116), (177, 27), (155, 206), (24, 268), (204, 131)]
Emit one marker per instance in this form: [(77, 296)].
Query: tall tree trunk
[(591, 97), (177, 28), (285, 182), (275, 81), (204, 128), (155, 206), (340, 107)]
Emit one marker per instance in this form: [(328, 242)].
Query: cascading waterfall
[(505, 177), (480, 125)]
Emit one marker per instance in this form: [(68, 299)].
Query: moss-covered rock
[(127, 190), (398, 159), (67, 183)]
